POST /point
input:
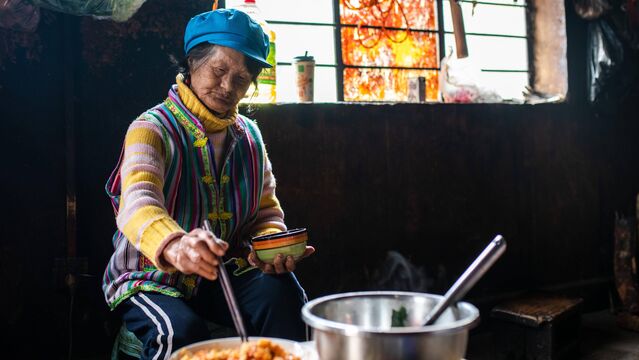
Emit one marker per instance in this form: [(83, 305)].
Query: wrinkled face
[(222, 80)]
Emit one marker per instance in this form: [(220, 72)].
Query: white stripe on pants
[(167, 321)]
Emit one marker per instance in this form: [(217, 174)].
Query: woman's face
[(221, 81)]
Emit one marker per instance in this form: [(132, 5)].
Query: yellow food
[(255, 350)]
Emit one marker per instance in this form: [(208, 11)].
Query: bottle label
[(267, 76), (305, 73)]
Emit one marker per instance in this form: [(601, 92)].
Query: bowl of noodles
[(257, 348)]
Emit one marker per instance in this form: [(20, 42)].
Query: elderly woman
[(191, 158)]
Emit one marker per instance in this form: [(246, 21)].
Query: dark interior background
[(433, 182)]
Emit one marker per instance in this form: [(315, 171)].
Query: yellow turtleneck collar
[(210, 122)]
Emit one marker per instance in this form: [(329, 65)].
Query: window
[(497, 41), (360, 57)]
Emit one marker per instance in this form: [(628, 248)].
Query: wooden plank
[(536, 309)]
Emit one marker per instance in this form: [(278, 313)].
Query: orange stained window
[(384, 43), (366, 84)]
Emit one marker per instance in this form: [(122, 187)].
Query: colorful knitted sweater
[(179, 165)]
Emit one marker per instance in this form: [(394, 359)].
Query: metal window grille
[(442, 44)]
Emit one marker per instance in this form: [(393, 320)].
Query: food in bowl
[(290, 242), (399, 317), (263, 349)]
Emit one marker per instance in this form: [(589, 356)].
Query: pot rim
[(319, 323)]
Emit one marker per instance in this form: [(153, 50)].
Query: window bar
[(492, 3), (530, 42), (280, 22), (389, 28), (285, 63), (288, 63), (440, 30), (504, 70), (492, 35), (338, 52), (389, 67)]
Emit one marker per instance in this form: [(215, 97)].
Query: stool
[(126, 343), (537, 326)]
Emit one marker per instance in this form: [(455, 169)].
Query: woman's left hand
[(281, 264)]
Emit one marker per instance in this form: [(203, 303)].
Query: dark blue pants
[(270, 305)]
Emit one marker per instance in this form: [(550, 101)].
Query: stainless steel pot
[(357, 325)]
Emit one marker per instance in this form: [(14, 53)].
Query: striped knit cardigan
[(193, 191)]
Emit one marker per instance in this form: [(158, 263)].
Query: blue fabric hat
[(231, 28)]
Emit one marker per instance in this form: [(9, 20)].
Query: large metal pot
[(357, 325)]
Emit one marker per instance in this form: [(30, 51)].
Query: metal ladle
[(469, 278)]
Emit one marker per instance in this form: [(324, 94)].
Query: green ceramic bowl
[(290, 242)]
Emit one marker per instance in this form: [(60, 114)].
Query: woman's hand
[(196, 253), (280, 264)]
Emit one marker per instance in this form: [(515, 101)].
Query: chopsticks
[(228, 294)]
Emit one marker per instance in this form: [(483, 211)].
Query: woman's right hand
[(196, 253)]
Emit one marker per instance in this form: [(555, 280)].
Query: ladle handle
[(469, 278)]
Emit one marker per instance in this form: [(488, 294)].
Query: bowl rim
[(297, 348), (278, 235), (319, 323), (281, 246)]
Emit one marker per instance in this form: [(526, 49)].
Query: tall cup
[(304, 76)]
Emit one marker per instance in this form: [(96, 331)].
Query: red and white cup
[(304, 77)]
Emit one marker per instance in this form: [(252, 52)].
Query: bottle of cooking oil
[(266, 80)]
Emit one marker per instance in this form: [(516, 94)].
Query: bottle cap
[(305, 57)]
